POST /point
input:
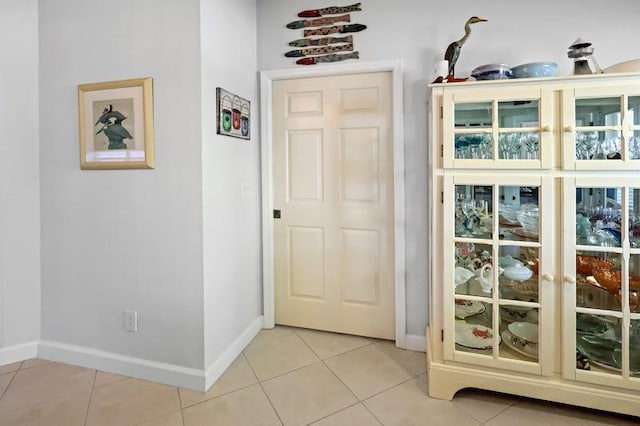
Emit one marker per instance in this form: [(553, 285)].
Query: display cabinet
[(535, 239)]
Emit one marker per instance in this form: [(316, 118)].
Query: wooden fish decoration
[(319, 50), (333, 10), (334, 57), (353, 28), (302, 42), (318, 22)]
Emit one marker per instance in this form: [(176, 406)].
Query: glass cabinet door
[(495, 255), (497, 129), (602, 129), (602, 281)]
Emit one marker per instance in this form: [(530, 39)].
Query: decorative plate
[(474, 336), (519, 345), (468, 308)]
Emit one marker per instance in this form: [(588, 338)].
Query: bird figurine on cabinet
[(453, 51)]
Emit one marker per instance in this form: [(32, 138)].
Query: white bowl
[(627, 66), (525, 331)]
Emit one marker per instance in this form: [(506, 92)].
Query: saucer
[(468, 308)]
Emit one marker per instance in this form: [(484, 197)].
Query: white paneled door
[(333, 201)]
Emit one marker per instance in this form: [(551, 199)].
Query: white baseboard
[(169, 374), (414, 342), (221, 364), (17, 353), (110, 362)]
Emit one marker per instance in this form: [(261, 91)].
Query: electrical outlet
[(131, 321)]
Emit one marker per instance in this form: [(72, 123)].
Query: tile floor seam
[(331, 414), (511, 404), (350, 350), (273, 407), (392, 387), (263, 391), (217, 396), (93, 384), (15, 373), (341, 381)]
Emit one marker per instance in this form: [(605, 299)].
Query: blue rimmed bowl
[(492, 72), (535, 69)]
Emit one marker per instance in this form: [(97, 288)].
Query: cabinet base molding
[(445, 380)]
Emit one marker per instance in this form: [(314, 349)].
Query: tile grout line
[(15, 373), (93, 384), (359, 401), (263, 391)]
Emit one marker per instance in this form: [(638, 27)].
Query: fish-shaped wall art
[(353, 28), (319, 50), (303, 42), (318, 22), (334, 57), (333, 10)]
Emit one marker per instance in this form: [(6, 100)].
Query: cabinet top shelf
[(537, 81)]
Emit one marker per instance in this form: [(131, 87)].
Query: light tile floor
[(286, 376)]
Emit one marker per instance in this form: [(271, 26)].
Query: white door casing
[(267, 78)]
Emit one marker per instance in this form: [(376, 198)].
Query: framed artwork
[(233, 115), (116, 124)]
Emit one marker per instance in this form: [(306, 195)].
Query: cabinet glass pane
[(598, 280), (473, 269), (634, 217), (634, 283), (473, 114), (598, 343), (519, 146), (474, 211), (598, 111), (520, 113), (634, 145), (603, 145), (519, 332), (474, 331), (598, 216), (473, 146), (518, 213), (633, 111), (634, 347), (518, 279)]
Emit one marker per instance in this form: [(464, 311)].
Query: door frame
[(266, 80)]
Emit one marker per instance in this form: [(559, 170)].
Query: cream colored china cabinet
[(535, 221)]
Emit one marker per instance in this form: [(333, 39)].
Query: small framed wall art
[(233, 115), (116, 124)]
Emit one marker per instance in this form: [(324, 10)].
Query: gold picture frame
[(116, 124)]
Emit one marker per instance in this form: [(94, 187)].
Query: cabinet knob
[(569, 279), (546, 129), (548, 277), (569, 128)]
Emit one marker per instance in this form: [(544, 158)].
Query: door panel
[(333, 183)]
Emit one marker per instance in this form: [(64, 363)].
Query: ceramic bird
[(453, 51)]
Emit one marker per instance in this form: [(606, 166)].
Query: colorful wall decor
[(325, 48), (233, 115)]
